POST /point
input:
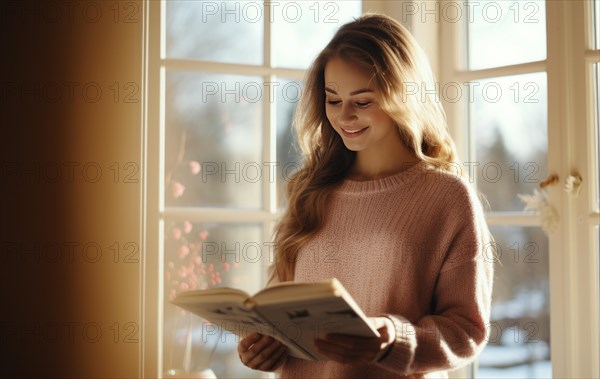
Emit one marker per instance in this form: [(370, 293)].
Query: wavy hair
[(403, 78)]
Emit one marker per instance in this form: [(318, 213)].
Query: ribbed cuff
[(400, 356)]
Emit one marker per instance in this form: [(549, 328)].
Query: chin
[(353, 147)]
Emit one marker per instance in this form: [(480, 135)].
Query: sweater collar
[(383, 184)]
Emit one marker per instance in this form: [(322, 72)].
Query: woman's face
[(352, 107)]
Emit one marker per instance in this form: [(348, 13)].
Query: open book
[(294, 313)]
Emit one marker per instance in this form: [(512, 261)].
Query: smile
[(353, 132)]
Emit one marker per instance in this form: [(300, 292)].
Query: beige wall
[(57, 208)]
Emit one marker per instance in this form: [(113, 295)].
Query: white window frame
[(154, 210), (574, 260), (573, 252), (157, 66)]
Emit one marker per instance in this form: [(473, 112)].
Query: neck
[(377, 164)]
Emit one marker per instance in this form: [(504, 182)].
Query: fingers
[(351, 349), (261, 352), (276, 356), (352, 343), (385, 336), (344, 353), (245, 344)]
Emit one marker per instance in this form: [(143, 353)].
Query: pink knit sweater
[(412, 247)]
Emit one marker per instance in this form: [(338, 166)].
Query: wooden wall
[(70, 178)]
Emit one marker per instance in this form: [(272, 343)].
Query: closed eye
[(362, 105), (333, 102)]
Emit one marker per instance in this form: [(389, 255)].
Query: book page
[(303, 321), (295, 291), (237, 318), (224, 309), (294, 313)]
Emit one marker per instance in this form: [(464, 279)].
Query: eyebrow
[(327, 89)]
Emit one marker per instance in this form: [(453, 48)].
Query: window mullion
[(451, 35), (512, 219), (220, 215), (151, 265), (518, 69), (573, 263), (269, 136), (268, 130), (177, 64), (586, 255), (559, 250)]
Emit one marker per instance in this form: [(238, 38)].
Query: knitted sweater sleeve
[(456, 330)]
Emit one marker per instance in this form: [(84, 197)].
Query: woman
[(377, 206)]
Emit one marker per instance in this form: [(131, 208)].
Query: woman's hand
[(349, 349), (260, 352)]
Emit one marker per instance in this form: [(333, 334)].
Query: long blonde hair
[(403, 78)]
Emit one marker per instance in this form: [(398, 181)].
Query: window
[(520, 85), (230, 77), (529, 110), (508, 145)]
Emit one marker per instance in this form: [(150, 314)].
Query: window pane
[(213, 140), (519, 330), (508, 118), (302, 28), (205, 256), (223, 31), (502, 33), (288, 152)]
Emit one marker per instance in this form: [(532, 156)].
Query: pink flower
[(187, 227), (183, 251), (184, 286), (203, 234), (182, 272), (226, 266), (177, 189), (176, 233), (194, 167)]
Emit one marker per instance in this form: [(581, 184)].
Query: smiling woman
[(228, 49), (375, 206), (355, 114)]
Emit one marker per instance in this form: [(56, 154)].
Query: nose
[(347, 113)]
